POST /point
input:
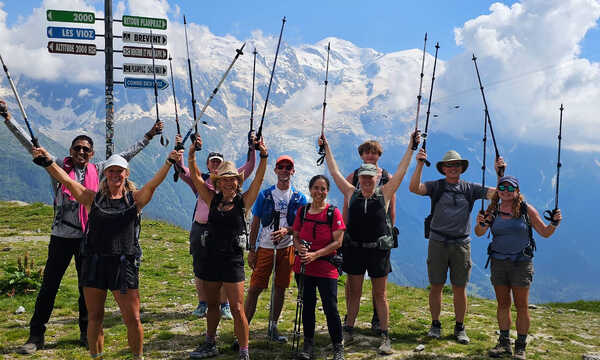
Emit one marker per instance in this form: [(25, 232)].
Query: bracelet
[(264, 156)]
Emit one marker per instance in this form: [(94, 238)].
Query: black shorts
[(358, 260), (109, 272), (196, 247), (219, 266)]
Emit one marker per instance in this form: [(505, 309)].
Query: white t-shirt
[(281, 199)]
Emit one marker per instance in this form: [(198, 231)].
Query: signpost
[(71, 16), (56, 47), (141, 83), (144, 69), (144, 38), (141, 52), (71, 33), (144, 22)]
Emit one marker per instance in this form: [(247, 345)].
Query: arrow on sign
[(143, 38), (72, 48), (71, 33), (140, 83)]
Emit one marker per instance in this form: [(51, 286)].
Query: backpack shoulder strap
[(385, 177), (303, 212), (355, 178), (437, 194), (330, 212)]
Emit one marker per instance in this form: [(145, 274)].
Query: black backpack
[(336, 260)]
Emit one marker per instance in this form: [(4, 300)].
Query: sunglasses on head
[(508, 188), (452, 164), (79, 148), (286, 167)]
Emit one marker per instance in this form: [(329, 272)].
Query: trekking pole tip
[(184, 21), (284, 20), (425, 36), (474, 57)]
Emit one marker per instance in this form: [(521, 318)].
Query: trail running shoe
[(461, 336), (200, 311), (338, 351), (520, 351), (386, 345), (226, 312), (33, 344), (275, 336), (501, 349), (205, 350), (307, 350), (435, 332), (348, 332)]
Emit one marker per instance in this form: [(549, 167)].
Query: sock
[(459, 326), (505, 334), (436, 323), (211, 339), (522, 338), (243, 350), (202, 303)]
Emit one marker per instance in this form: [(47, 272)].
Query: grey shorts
[(511, 273), (454, 256)]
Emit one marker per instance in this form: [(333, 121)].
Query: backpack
[(269, 207), (529, 249), (436, 196), (384, 242), (336, 260)]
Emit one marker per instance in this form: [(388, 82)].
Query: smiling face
[(228, 185), (505, 193), (367, 183), (81, 152), (319, 190), (284, 171), (370, 157), (213, 165), (452, 170), (116, 176)]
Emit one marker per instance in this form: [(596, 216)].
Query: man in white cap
[(448, 229)]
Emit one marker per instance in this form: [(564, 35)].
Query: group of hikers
[(97, 221)]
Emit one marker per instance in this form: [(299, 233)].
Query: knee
[(132, 320), (96, 316), (237, 310), (254, 292)]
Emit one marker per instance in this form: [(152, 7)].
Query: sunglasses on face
[(508, 188), (79, 148), (285, 167), (452, 165)]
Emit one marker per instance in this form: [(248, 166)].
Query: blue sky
[(387, 26)]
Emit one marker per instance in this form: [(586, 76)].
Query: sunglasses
[(453, 164), (286, 167), (79, 148), (508, 188)]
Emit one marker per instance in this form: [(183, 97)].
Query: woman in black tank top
[(111, 249), (223, 264)]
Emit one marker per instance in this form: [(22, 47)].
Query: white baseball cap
[(116, 160)]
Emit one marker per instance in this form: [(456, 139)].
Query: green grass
[(171, 332)]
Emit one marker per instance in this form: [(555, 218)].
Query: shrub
[(22, 278)]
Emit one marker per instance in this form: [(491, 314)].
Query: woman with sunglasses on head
[(511, 220), (318, 232), (221, 259), (200, 221), (111, 251)]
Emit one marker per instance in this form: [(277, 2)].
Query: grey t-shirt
[(451, 220)]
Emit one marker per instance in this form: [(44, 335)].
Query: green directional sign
[(144, 22), (71, 16)]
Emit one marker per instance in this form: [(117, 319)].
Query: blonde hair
[(516, 208)]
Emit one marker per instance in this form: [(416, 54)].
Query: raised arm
[(248, 167), (416, 186), (390, 188), (252, 192), (539, 226), (13, 128), (144, 195), (83, 195), (203, 191), (345, 187)]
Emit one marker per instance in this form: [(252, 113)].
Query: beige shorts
[(510, 273), (443, 256)]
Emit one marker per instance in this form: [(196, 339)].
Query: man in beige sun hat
[(448, 228)]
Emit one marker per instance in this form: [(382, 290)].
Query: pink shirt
[(201, 213), (324, 236)]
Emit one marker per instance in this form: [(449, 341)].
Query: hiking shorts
[(221, 267), (107, 272), (442, 256), (358, 260), (510, 273), (264, 266), (198, 230)]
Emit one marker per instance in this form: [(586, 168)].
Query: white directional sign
[(144, 69), (144, 38)]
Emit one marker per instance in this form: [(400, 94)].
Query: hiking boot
[(83, 342), (338, 351), (435, 332), (520, 351), (348, 332), (200, 311), (375, 326), (307, 350), (274, 336), (386, 345), (226, 312), (205, 350), (461, 335), (33, 344), (501, 349)]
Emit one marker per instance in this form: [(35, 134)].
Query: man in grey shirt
[(68, 227), (449, 238)]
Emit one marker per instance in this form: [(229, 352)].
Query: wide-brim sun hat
[(452, 156), (226, 169), (367, 170), (116, 160)]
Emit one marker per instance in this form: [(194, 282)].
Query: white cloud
[(83, 92)]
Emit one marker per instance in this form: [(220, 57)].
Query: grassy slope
[(560, 331)]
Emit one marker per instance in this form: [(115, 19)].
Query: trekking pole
[(178, 146), (549, 214), (500, 172), (262, 119), (252, 101), (272, 323), (482, 211), (424, 135), (198, 147), (164, 142), (322, 147), (212, 95), (299, 305), (34, 141), (415, 145)]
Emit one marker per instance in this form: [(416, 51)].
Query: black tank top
[(113, 226), (366, 217), (225, 227)]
